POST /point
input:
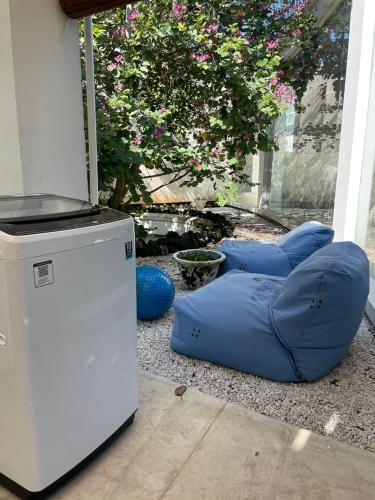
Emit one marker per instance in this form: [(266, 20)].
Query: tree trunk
[(119, 194)]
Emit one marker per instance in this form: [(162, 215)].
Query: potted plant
[(199, 266)]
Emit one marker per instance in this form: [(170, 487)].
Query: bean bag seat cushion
[(276, 259), (286, 329)]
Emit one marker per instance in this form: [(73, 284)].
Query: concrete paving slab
[(147, 457), (237, 459), (321, 468), (201, 447), (247, 456)]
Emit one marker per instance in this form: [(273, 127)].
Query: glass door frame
[(354, 120), (357, 144)]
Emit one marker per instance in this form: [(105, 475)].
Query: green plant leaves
[(183, 91)]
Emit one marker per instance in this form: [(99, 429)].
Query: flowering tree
[(189, 89)]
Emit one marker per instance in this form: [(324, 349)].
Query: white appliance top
[(41, 224), (45, 213), (41, 207)]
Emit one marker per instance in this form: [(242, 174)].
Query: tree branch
[(176, 179), (182, 169)]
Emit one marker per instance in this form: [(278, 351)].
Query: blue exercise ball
[(155, 292)]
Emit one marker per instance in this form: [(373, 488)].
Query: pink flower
[(111, 66), (274, 81), (132, 15), (179, 9), (196, 164), (203, 57), (121, 31), (297, 33), (158, 132), (272, 44), (237, 33), (215, 151), (239, 153), (285, 93), (118, 58), (137, 140), (118, 87), (163, 110), (212, 27)]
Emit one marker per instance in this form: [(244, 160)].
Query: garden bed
[(166, 229)]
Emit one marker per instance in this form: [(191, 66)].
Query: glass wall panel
[(365, 233), (298, 181)]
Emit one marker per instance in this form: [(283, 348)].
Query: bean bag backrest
[(321, 305), (304, 240)]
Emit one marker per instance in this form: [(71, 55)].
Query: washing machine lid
[(37, 207), (42, 213)]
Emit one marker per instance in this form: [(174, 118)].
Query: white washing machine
[(68, 374)]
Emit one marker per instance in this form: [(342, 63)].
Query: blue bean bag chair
[(286, 329), (275, 258)]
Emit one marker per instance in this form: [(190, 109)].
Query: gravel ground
[(341, 404)]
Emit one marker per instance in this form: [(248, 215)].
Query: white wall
[(48, 119), (175, 193), (10, 160)]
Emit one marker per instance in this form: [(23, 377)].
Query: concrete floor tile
[(318, 468), (246, 456), (147, 456), (5, 495), (237, 459), (202, 448)]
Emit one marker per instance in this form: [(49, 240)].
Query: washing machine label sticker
[(129, 250), (43, 273)]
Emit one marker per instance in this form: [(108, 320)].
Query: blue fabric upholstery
[(285, 329), (255, 256), (276, 259)]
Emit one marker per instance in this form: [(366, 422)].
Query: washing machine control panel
[(100, 215)]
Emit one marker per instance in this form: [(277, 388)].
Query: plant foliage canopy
[(187, 90)]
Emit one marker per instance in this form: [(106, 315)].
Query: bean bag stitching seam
[(287, 350), (282, 341), (287, 254), (285, 346), (277, 332)]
